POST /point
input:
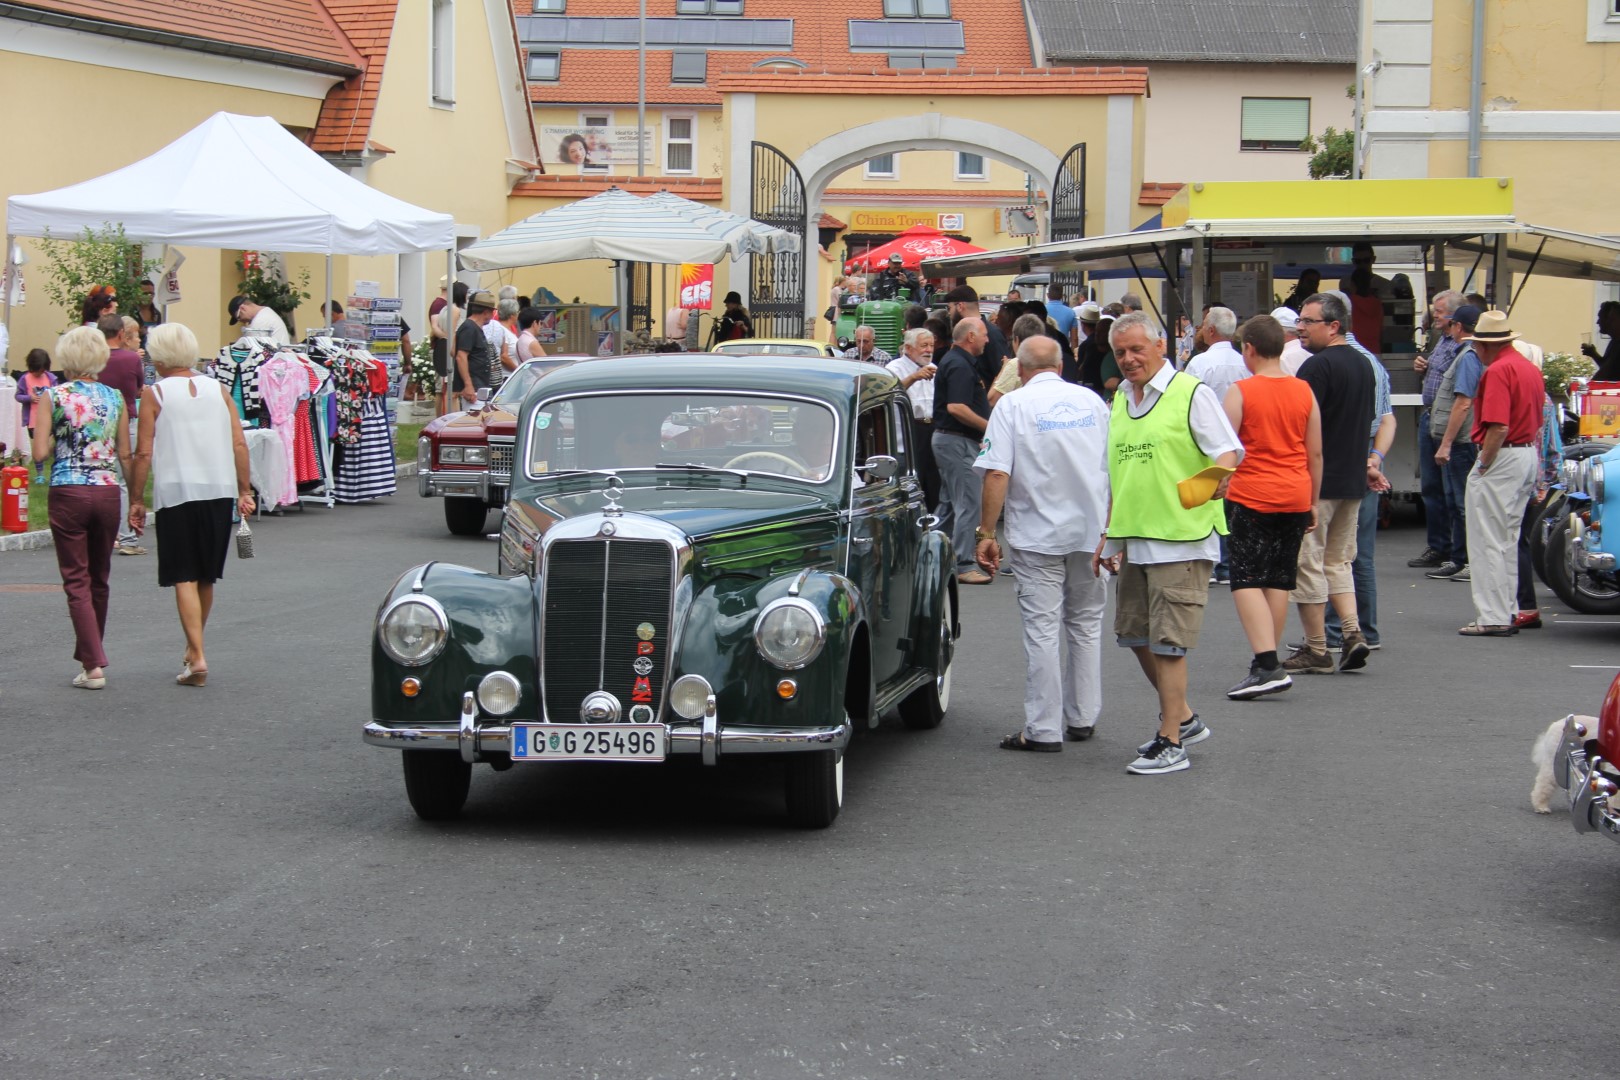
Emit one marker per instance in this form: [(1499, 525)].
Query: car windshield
[(780, 436), (774, 348), (517, 386)]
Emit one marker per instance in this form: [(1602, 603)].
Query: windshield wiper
[(692, 466)]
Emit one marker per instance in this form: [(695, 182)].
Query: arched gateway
[(791, 134)]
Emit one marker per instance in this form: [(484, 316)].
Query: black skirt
[(193, 540)]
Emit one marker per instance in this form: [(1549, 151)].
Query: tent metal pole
[(328, 309), (10, 282), (165, 273)]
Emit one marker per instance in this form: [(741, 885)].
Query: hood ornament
[(613, 492)]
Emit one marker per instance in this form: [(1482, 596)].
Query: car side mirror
[(880, 467), (484, 393)]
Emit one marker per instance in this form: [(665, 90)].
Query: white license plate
[(588, 742)]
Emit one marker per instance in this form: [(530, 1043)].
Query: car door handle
[(860, 542)]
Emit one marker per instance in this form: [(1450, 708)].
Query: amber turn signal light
[(786, 689), (410, 687)]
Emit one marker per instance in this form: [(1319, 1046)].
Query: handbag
[(244, 541), (831, 314)]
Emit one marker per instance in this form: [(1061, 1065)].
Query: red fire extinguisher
[(14, 499)]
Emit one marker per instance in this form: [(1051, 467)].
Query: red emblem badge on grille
[(642, 693), (644, 648)]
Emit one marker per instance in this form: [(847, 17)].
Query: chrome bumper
[(1591, 794), (463, 483), (473, 738), (1583, 559)]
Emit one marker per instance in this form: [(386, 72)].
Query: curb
[(34, 541)]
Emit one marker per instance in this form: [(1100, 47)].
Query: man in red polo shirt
[(1507, 428)]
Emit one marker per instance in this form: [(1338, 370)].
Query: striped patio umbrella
[(616, 225), (758, 237)]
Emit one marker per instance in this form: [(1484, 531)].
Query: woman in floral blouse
[(89, 433)]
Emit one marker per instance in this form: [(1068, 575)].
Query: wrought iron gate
[(776, 292), (1068, 218), (638, 297)]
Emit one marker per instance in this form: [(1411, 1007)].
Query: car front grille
[(500, 459), (598, 593)]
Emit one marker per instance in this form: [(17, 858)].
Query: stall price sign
[(697, 286)]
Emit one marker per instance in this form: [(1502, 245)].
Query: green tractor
[(885, 317)]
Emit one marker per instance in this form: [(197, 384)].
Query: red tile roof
[(299, 29), (995, 33), (702, 189), (1026, 82), (344, 126), (1157, 194), (827, 221)]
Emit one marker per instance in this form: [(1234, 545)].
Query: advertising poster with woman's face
[(593, 149)]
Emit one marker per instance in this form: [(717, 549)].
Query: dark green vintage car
[(700, 555)]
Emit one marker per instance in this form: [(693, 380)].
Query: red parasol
[(913, 246)]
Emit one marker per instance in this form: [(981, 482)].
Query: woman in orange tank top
[(1270, 502)]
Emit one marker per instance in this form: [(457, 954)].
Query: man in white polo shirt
[(914, 367), (1045, 457)]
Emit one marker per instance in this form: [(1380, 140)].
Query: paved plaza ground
[(226, 883)]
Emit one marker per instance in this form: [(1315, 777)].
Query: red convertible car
[(466, 457)]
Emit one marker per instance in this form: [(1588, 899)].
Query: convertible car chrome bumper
[(1591, 792), (473, 738)]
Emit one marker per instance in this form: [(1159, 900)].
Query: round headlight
[(498, 693), (789, 633), (1596, 483), (1569, 473), (413, 630), (689, 696), (1583, 476)]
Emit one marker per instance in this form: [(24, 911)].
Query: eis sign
[(697, 286)]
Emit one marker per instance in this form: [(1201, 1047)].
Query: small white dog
[(1542, 755)]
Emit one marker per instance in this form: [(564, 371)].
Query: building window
[(443, 50), (970, 166), (1275, 123), (680, 145), (881, 167), (927, 61), (550, 7), (688, 67), (598, 129), (916, 9), (708, 7), (778, 62), (544, 66)]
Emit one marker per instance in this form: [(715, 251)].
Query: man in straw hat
[(1507, 427), (1162, 550)]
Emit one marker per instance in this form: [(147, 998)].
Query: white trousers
[(1494, 508), (1063, 606)]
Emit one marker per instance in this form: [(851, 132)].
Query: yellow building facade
[(439, 104), (1548, 116)]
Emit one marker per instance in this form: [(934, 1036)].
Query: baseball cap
[(234, 306), (1090, 311), (896, 258), (482, 298), (1467, 315), (1288, 317), (962, 294)]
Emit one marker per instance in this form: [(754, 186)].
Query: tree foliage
[(1332, 154), (100, 257)]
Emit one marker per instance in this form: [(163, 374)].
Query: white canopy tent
[(615, 224), (235, 182)]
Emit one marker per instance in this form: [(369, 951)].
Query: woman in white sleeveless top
[(192, 442)]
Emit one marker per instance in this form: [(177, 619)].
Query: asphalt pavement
[(224, 882)]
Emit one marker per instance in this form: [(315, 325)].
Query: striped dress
[(365, 470)]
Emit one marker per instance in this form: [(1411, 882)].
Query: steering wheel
[(742, 461)]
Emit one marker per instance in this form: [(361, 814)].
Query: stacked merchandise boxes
[(376, 321)]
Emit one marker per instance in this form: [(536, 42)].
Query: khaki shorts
[(1326, 553), (1161, 605)]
